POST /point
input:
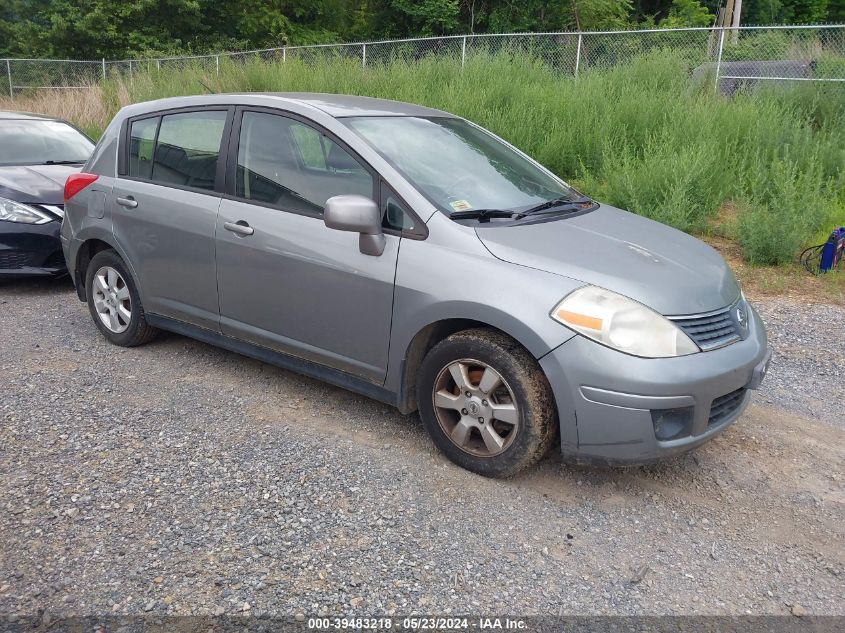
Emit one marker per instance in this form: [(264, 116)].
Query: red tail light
[(76, 183)]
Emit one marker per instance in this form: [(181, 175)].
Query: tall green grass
[(640, 136)]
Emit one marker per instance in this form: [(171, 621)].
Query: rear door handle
[(129, 203), (240, 227)]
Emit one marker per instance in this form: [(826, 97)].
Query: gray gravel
[(808, 367), (179, 478)]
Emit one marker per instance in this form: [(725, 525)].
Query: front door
[(164, 211), (285, 280)]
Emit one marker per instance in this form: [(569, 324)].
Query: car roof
[(334, 105), (12, 115)]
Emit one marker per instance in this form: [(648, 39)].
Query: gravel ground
[(178, 478), (808, 369)]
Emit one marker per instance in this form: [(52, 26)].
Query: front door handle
[(240, 227), (129, 203)]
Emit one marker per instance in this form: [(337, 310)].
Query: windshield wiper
[(559, 204), (484, 215), (550, 206), (64, 162)]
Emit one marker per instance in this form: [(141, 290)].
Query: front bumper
[(30, 250), (609, 402)]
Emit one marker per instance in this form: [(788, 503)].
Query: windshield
[(458, 166), (28, 142)]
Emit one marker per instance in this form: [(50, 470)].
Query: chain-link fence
[(729, 57)]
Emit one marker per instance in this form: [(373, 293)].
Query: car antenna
[(209, 90)]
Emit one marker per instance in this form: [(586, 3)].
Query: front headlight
[(622, 323), (12, 211)]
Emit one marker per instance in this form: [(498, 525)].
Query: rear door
[(293, 284), (165, 206)]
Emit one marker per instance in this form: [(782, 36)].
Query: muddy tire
[(486, 403)]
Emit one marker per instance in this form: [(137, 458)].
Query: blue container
[(832, 250)]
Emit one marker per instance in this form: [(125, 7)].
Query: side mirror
[(357, 214)]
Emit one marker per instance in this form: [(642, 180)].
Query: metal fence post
[(217, 64), (104, 68), (284, 54), (719, 60), (363, 55), (9, 75), (578, 56), (463, 50), (158, 65)]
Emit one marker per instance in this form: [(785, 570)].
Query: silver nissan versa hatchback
[(411, 256)]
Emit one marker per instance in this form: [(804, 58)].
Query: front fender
[(438, 282)]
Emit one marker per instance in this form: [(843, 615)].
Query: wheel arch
[(85, 253), (424, 340)]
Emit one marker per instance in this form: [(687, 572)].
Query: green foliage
[(635, 136), (687, 13), (117, 29), (429, 17), (788, 202), (793, 11), (757, 45), (594, 15)]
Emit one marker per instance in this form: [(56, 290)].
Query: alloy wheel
[(476, 408), (112, 300)]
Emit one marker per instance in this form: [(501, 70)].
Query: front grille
[(711, 331), (57, 209), (14, 260), (55, 260), (723, 406)]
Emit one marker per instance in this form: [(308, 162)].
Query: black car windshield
[(38, 142), (458, 166)]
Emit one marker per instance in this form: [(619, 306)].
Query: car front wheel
[(486, 403)]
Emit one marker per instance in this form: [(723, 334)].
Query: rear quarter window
[(141, 139)]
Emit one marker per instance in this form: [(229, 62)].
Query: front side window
[(186, 150), (458, 166), (36, 142), (293, 166)]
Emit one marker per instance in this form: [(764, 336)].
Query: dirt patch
[(790, 281)]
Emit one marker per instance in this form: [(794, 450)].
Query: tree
[(90, 29), (687, 13), (428, 17), (601, 14)]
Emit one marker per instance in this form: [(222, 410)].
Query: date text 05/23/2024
[(421, 623)]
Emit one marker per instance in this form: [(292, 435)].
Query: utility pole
[(727, 17), (735, 22)]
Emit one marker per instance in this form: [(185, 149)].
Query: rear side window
[(187, 149), (177, 149), (142, 137), (293, 166)]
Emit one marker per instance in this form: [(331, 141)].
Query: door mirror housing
[(357, 214)]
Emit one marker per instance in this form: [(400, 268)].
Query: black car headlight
[(12, 211)]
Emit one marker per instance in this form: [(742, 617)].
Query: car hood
[(40, 184), (661, 267)]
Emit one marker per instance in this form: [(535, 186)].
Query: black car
[(37, 154)]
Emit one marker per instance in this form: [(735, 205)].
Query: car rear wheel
[(114, 302), (486, 403)]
